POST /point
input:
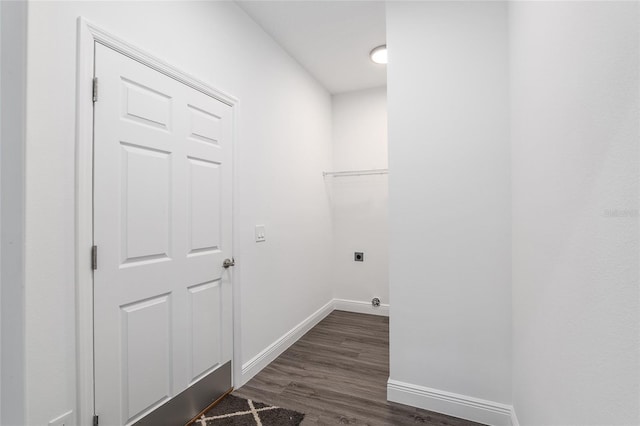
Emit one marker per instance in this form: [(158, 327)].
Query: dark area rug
[(233, 410)]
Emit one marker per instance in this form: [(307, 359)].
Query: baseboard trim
[(63, 419), (453, 404), (271, 352), (514, 418), (360, 307)]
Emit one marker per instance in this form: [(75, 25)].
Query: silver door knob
[(228, 262)]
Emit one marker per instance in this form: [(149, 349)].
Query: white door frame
[(88, 35)]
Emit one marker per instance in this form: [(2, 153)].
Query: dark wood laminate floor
[(337, 374)]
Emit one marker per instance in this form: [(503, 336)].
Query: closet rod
[(357, 172)]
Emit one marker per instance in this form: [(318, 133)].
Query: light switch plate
[(260, 234)]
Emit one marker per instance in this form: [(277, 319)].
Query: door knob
[(228, 262)]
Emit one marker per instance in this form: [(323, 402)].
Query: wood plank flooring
[(337, 374)]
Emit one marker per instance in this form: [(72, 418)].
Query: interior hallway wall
[(575, 129), (360, 203), (450, 205), (13, 60), (283, 145)]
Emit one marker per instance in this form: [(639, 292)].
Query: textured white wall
[(360, 203), (284, 144), (449, 197), (575, 129), (13, 42)]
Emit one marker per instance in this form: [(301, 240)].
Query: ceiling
[(330, 39)]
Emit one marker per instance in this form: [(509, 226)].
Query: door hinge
[(95, 89), (94, 257), (95, 420)]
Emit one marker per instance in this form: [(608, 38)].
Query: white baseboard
[(360, 307), (514, 418), (63, 419), (466, 407), (271, 352), (453, 404)]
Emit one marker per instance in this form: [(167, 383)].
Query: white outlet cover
[(260, 234)]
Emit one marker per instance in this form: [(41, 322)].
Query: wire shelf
[(356, 173)]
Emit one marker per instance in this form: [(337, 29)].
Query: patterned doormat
[(233, 410)]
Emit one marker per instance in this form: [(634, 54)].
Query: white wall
[(360, 203), (449, 201), (284, 115), (13, 39), (575, 127)]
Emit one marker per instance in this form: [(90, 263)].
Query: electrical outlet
[(358, 256)]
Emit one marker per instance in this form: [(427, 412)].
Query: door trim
[(88, 35)]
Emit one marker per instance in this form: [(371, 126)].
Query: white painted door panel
[(162, 224)]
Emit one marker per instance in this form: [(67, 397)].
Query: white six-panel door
[(162, 227)]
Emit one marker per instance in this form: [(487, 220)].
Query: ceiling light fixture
[(379, 54)]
